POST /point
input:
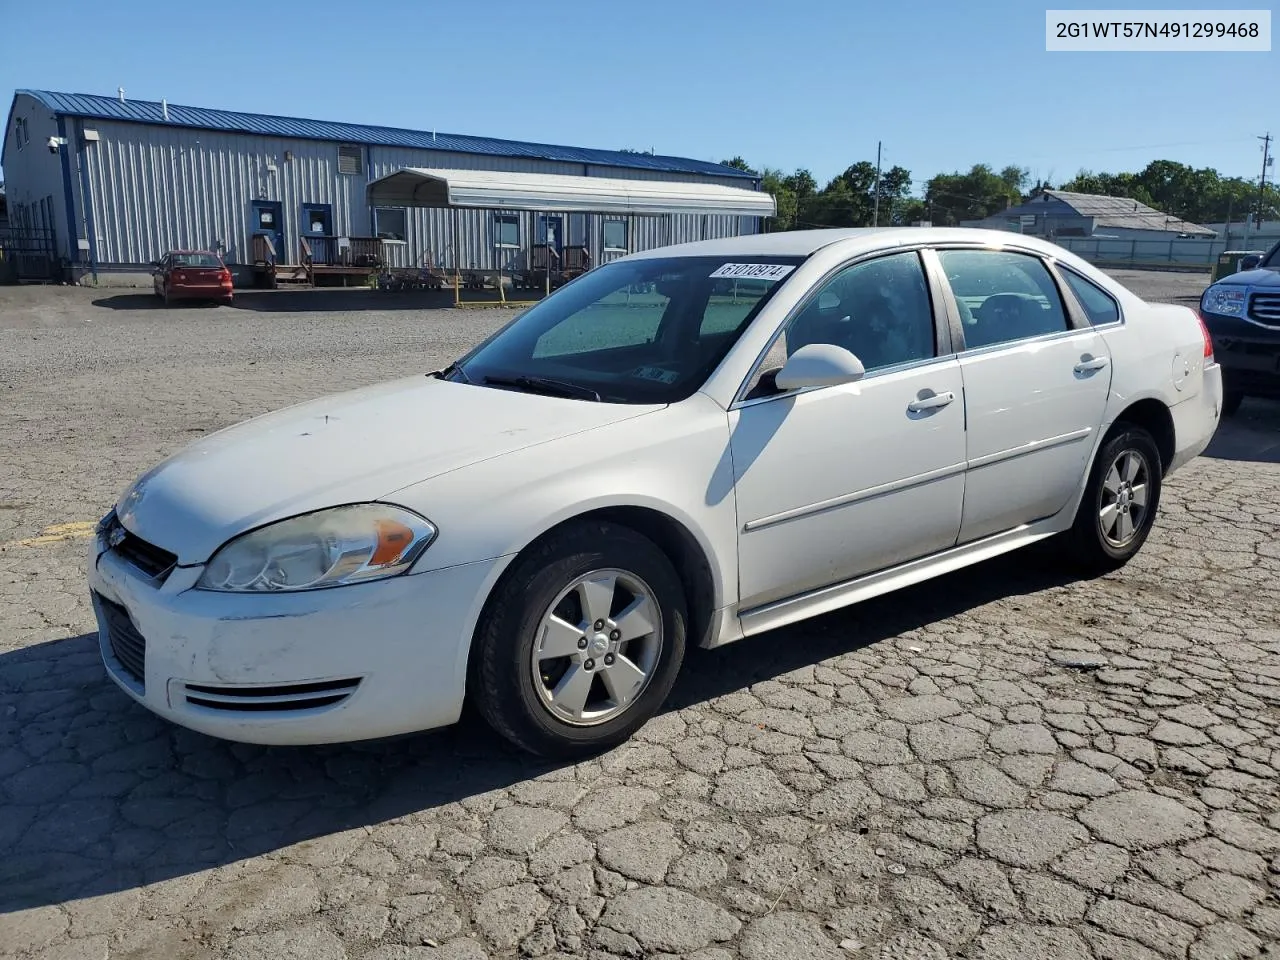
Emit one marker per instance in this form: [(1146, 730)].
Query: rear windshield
[(196, 260), (634, 331)]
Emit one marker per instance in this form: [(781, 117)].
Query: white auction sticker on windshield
[(753, 271)]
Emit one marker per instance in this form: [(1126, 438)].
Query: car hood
[(348, 448), (1262, 277)]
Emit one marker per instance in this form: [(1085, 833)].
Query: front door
[(317, 227), (268, 220), (1035, 386), (836, 482)]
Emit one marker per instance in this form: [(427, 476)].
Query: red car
[(192, 275)]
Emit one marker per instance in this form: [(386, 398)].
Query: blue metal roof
[(146, 111)]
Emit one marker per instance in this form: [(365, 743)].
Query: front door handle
[(1092, 364), (935, 402)]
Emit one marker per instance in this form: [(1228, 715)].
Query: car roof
[(210, 253), (802, 243)]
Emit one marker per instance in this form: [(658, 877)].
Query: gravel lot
[(1001, 764)]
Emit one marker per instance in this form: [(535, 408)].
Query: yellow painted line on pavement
[(76, 530)]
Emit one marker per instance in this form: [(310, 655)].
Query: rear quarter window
[(1098, 305)]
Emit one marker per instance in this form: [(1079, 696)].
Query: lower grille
[(313, 695), (126, 643), (1265, 309)]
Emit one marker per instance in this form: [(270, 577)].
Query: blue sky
[(806, 83)]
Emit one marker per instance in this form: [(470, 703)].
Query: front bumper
[(1248, 352), (349, 663)]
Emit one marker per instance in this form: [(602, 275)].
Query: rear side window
[(1096, 302), (1002, 297)]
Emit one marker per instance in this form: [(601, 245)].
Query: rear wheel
[(1119, 505), (581, 642), (1231, 400)]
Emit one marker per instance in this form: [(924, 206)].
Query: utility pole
[(1262, 181), (876, 214)]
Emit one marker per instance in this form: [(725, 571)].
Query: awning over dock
[(559, 193)]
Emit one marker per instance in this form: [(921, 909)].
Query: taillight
[(225, 277), (1208, 340)]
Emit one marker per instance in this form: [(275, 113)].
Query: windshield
[(642, 331), (1272, 261), (196, 260)]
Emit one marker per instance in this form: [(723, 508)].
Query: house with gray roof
[(1061, 213)]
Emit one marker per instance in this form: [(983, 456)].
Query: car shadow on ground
[(322, 300), (101, 796), (1253, 434)]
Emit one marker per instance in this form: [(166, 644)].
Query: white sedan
[(688, 445)]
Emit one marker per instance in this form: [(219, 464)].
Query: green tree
[(738, 164), (979, 193)]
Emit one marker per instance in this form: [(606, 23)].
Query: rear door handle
[(935, 402), (1088, 366)]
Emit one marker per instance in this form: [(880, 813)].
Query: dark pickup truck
[(1242, 312)]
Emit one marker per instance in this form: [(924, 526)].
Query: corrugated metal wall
[(157, 188), (34, 176)]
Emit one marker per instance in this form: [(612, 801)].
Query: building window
[(350, 159), (20, 136), (390, 223), (615, 235), (506, 230)]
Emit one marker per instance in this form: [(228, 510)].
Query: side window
[(879, 310), (1002, 296), (1097, 304)]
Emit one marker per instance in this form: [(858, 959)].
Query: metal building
[(119, 182), (1061, 213)]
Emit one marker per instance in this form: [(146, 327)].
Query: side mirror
[(1250, 262), (155, 263), (819, 365)]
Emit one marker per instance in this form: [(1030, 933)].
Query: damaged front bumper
[(325, 666)]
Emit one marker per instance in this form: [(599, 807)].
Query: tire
[(1099, 546), (522, 707), (1231, 400)]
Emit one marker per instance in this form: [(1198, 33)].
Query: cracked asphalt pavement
[(1000, 765)]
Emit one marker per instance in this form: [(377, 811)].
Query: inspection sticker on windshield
[(753, 271)]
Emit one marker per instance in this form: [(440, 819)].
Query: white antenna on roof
[(164, 106), (120, 91)]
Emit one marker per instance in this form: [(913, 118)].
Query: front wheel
[(1119, 504), (581, 642)]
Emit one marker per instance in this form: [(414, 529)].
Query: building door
[(317, 227), (268, 221), (551, 232)]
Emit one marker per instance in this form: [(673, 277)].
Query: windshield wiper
[(450, 371), (555, 388)]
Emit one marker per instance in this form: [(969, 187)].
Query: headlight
[(1225, 301), (329, 548)]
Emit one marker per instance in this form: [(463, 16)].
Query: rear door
[(1036, 382)]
